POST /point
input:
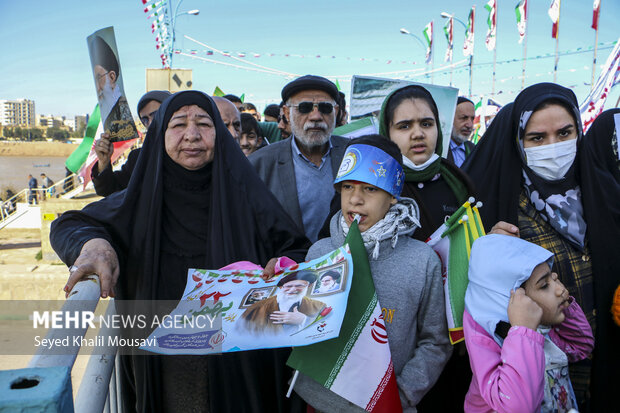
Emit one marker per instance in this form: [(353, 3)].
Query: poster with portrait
[(236, 310), (115, 113), (368, 94)]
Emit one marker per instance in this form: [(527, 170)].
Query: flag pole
[(494, 50), (524, 52), (557, 45), (595, 47), (432, 52)]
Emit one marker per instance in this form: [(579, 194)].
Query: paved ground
[(23, 277)]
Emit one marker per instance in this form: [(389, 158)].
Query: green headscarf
[(439, 165)]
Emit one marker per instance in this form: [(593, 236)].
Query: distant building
[(70, 123), (50, 121), (80, 121), (18, 112)]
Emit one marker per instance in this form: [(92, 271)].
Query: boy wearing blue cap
[(406, 272)]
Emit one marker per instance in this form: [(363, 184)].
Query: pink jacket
[(511, 378)]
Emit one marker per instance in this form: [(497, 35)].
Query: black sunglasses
[(306, 107)]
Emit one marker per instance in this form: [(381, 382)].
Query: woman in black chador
[(193, 201)]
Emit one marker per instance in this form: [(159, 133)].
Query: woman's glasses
[(306, 107)]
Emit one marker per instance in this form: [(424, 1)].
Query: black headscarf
[(600, 187), (234, 217), (496, 167)]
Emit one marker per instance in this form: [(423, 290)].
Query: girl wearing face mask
[(536, 184)]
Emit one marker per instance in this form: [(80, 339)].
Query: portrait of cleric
[(255, 295), (115, 113), (328, 282), (288, 311)]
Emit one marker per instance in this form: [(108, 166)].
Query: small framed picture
[(255, 295), (330, 280)]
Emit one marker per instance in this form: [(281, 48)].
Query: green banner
[(75, 161)]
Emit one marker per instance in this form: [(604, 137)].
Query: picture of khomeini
[(288, 311)]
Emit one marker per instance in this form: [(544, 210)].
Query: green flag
[(218, 92), (75, 161)]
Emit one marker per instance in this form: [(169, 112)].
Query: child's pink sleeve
[(508, 378), (574, 335)]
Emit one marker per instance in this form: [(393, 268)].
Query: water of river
[(14, 170)]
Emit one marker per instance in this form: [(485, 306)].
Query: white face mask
[(552, 161)]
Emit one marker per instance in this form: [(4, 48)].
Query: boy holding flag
[(409, 317)]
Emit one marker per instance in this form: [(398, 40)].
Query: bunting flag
[(159, 27), (594, 103), (491, 6), (596, 8), (521, 12), (218, 92), (428, 36), (479, 126), (357, 365), (77, 158), (468, 46), (452, 242), (554, 14), (448, 30)]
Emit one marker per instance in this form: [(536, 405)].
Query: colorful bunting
[(428, 36), (448, 30), (468, 46), (491, 6), (521, 12), (596, 8), (554, 15)]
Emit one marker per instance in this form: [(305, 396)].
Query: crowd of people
[(214, 183)]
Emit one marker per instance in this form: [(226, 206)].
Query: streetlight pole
[(471, 57), (407, 32), (176, 14)]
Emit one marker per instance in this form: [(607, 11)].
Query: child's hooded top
[(527, 371)]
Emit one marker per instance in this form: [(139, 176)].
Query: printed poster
[(236, 310), (115, 113), (368, 94)]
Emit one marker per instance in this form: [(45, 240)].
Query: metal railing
[(99, 389)]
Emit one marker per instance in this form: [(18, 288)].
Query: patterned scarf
[(401, 219)]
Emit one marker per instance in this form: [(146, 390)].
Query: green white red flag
[(596, 9), (491, 6), (521, 12), (452, 242), (428, 36), (554, 15), (448, 30), (357, 365), (77, 158), (594, 103), (468, 45)]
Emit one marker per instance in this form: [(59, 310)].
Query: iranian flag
[(448, 29), (521, 12), (357, 365), (452, 242), (554, 15), (491, 6), (468, 45), (77, 158), (428, 36), (596, 9), (479, 125)]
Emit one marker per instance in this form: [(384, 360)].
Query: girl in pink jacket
[(521, 329)]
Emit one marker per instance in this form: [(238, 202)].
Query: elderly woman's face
[(552, 124), (190, 137)]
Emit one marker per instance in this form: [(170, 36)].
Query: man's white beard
[(312, 139), (458, 138), (108, 98), (285, 301), (325, 288)]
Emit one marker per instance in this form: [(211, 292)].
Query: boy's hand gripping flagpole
[(356, 365)]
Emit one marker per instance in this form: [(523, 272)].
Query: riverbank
[(52, 149)]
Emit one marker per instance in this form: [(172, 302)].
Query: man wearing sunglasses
[(300, 170), (105, 180)]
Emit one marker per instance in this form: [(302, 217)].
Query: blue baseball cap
[(369, 164)]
